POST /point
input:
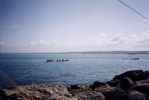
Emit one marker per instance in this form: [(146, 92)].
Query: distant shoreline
[(81, 52)]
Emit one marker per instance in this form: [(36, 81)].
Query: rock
[(17, 97), (126, 83), (74, 86), (143, 88), (113, 83), (146, 81), (90, 96), (3, 95), (105, 88), (59, 97), (38, 92), (135, 75), (135, 95), (78, 87), (131, 85), (116, 94), (96, 84)]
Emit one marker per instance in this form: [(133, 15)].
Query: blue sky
[(72, 25)]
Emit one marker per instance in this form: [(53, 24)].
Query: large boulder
[(135, 75)]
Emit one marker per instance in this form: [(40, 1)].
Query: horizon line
[(114, 51)]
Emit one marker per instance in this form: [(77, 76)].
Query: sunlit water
[(82, 68)]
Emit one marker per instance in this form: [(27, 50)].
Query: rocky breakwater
[(131, 85)]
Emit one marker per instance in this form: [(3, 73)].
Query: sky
[(73, 25)]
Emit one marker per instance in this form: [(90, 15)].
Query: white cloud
[(118, 41), (94, 42)]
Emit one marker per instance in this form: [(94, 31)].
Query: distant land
[(88, 52), (111, 52)]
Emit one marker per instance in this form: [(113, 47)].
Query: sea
[(81, 68)]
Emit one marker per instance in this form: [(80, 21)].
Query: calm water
[(82, 68)]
